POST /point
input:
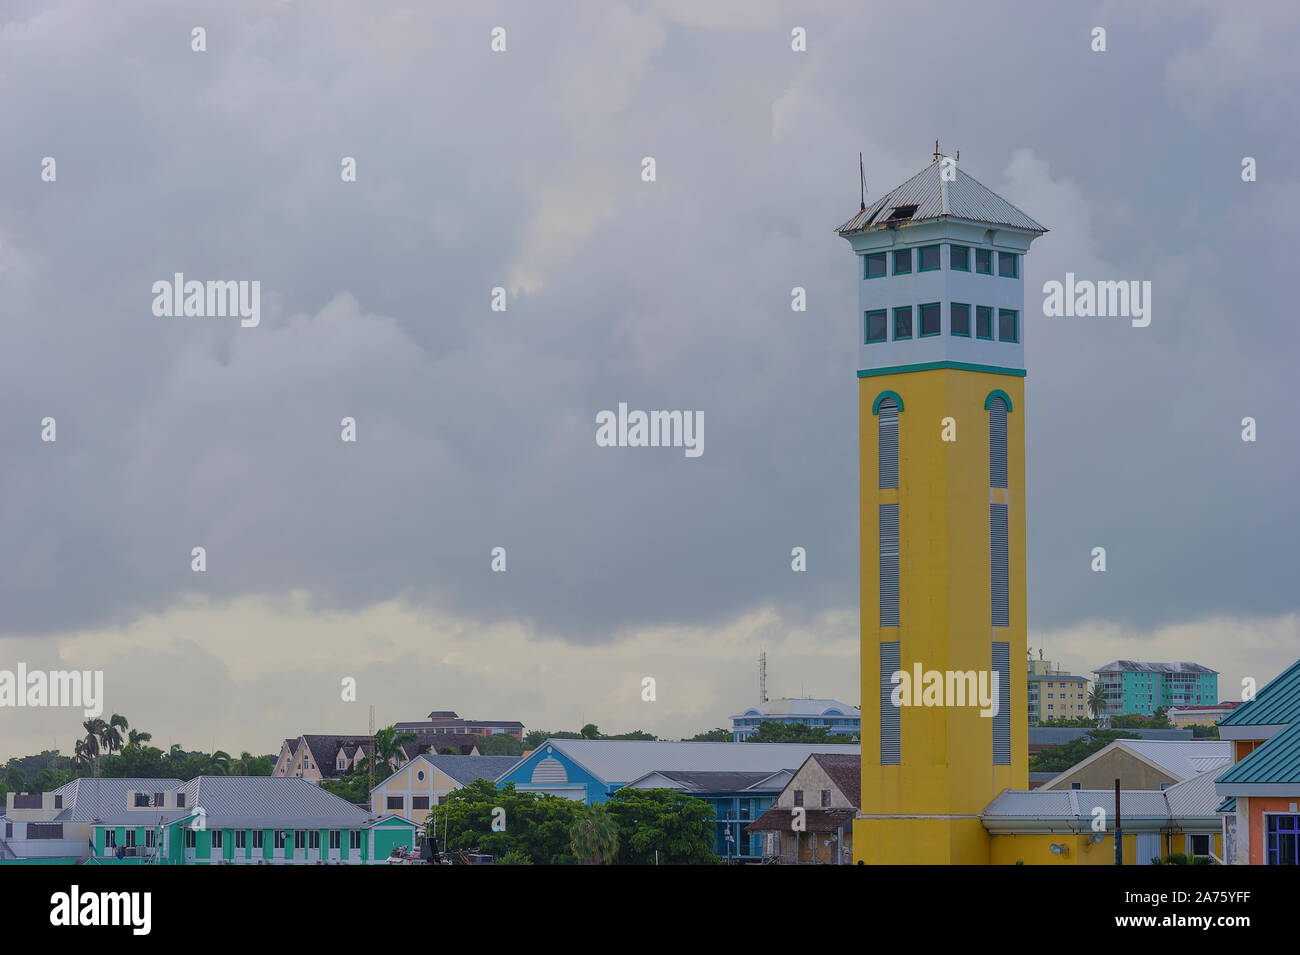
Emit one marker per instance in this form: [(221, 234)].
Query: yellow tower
[(941, 430)]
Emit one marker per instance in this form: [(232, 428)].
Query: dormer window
[(180, 800), (343, 763), (142, 800)]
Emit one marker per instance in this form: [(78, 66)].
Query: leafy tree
[(514, 857), (535, 738), (770, 732), (1204, 732), (500, 744), (594, 835), (449, 751), (680, 827), (718, 735), (536, 824), (354, 787), (589, 732)]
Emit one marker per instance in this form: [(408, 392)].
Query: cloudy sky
[(475, 428)]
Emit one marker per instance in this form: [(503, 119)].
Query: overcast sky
[(475, 428)]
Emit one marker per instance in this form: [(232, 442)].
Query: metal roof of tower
[(929, 196)]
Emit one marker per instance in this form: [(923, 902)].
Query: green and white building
[(1132, 687), (246, 820)]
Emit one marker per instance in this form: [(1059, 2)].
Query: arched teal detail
[(875, 405), (997, 393)]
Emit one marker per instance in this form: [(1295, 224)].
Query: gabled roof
[(249, 802), (1277, 702), (1179, 759), (935, 198), (466, 769), (802, 706), (1276, 761), (845, 772)]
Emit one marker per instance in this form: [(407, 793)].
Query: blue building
[(739, 780), (837, 718)]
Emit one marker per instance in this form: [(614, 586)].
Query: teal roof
[(1228, 805), (1276, 761), (1277, 702)]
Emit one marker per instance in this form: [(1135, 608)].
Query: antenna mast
[(862, 185), (762, 677)]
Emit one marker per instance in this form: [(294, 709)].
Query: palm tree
[(1096, 700), (594, 835), (219, 763), (89, 747), (388, 746), (589, 732), (112, 734), (138, 738)]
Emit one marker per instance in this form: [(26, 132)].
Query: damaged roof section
[(927, 195)]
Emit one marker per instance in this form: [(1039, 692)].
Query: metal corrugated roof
[(92, 798), (1277, 702), (935, 198), (1275, 761), (806, 706), (1183, 759), (1133, 666), (1193, 798), (621, 761), (241, 802)]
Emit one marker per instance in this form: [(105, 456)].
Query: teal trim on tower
[(929, 365), (998, 393), (875, 405)]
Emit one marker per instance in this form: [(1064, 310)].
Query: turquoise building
[(1131, 687)]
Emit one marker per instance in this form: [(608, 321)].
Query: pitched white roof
[(1182, 758)]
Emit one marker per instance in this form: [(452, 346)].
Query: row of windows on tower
[(960, 259), (929, 322)]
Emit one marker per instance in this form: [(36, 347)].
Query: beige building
[(318, 757), (1202, 715), (427, 779)]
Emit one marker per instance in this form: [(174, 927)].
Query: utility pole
[(1119, 830), (370, 763)]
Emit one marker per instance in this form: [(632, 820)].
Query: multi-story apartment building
[(1132, 687), (1054, 695)]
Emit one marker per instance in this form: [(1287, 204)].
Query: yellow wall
[(947, 763)]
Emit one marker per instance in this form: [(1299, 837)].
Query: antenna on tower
[(862, 185), (762, 677), (936, 150)]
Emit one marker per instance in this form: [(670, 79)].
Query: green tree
[(514, 857), (536, 824), (137, 738), (1096, 700), (718, 735), (92, 743), (1057, 759), (500, 744), (594, 835), (770, 732), (677, 826), (111, 737), (589, 732)]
